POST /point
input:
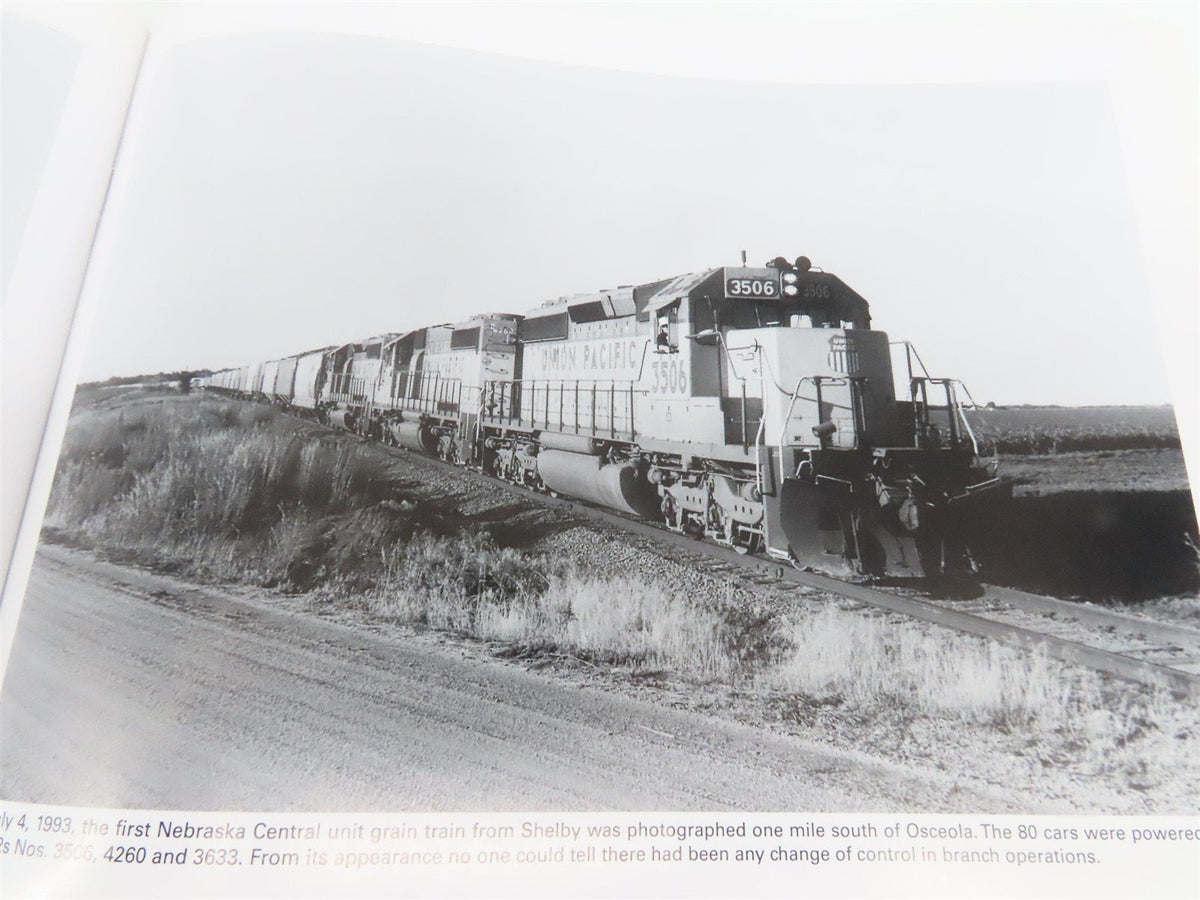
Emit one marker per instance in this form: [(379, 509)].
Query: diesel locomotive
[(752, 406)]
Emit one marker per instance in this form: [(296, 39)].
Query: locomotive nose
[(833, 527)]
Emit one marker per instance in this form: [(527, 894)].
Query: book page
[(315, 603)]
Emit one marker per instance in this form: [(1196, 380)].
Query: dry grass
[(879, 670), (470, 586), (861, 659), (232, 492)]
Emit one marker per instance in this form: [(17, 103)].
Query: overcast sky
[(286, 191)]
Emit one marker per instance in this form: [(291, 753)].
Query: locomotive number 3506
[(670, 377), (751, 287)]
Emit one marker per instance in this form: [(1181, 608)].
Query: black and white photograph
[(447, 428)]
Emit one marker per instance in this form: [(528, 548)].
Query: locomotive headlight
[(789, 277), (791, 290)]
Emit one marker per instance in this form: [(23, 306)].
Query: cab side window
[(666, 330)]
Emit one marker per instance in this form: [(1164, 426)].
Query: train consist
[(752, 406)]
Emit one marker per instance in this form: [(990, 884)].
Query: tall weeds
[(470, 586), (893, 675), (859, 659), (188, 477)]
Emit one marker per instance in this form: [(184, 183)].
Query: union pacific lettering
[(618, 358)]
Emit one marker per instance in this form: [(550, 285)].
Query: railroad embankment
[(219, 491)]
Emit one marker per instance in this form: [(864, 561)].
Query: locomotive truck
[(752, 406)]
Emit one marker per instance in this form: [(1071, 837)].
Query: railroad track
[(1127, 647)]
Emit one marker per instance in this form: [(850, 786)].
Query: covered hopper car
[(755, 407)]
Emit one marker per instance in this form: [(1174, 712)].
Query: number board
[(751, 284)]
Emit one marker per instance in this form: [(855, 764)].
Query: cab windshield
[(740, 314)]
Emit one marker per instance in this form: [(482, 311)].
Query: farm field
[(1122, 471), (1050, 450), (1039, 430)]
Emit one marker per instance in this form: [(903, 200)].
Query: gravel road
[(128, 688)]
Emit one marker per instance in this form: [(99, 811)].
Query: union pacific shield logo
[(843, 355)]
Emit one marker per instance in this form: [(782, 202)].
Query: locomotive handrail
[(533, 401), (910, 351), (759, 442), (953, 408), (952, 402), (642, 361), (966, 390), (962, 413), (435, 394), (347, 388)]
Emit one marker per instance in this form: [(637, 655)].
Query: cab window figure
[(662, 340)]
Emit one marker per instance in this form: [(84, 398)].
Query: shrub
[(172, 476), (467, 584), (863, 659)]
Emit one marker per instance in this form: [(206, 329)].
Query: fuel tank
[(615, 485), (414, 436)]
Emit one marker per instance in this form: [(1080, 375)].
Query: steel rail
[(1169, 632)]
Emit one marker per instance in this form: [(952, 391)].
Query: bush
[(177, 476)]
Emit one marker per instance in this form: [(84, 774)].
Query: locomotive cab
[(851, 476)]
